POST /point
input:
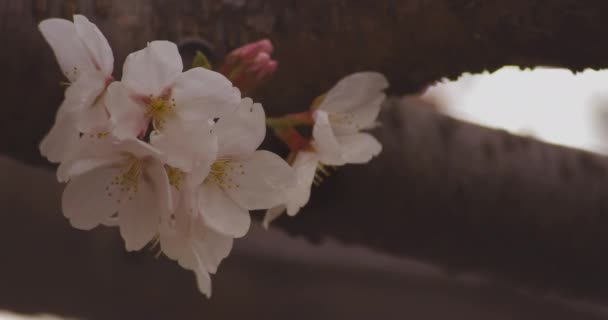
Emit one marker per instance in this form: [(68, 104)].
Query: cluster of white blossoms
[(163, 154), (170, 157)]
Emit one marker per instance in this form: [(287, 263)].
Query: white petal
[(202, 94), (342, 149), (137, 148), (72, 168), (260, 180), (95, 43), (67, 47), (305, 166), (140, 216), (85, 200), (88, 153), (203, 281), (153, 69), (128, 116), (175, 231), (221, 213), (61, 139), (84, 97), (94, 119), (325, 142), (84, 91), (356, 101), (272, 214), (211, 247), (359, 147), (186, 144), (241, 132)]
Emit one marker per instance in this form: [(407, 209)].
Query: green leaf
[(200, 60)]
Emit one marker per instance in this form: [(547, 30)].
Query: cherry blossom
[(86, 59), (338, 117)]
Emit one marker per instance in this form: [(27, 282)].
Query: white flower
[(154, 89), (213, 201), (114, 179), (350, 106), (86, 59), (242, 178)]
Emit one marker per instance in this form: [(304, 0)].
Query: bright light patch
[(5, 315), (553, 105)]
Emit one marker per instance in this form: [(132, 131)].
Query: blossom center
[(342, 118), (126, 182), (160, 109), (176, 176), (222, 171)]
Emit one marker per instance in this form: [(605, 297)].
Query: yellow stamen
[(175, 176), (222, 172), (342, 118), (323, 171), (159, 109), (126, 183)]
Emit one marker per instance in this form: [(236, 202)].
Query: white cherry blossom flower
[(124, 179), (350, 106), (155, 90), (86, 59), (200, 232), (242, 178)]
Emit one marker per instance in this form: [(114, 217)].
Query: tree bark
[(464, 197)]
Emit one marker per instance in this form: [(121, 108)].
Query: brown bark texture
[(466, 198)]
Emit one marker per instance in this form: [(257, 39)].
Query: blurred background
[(48, 267), (452, 205)]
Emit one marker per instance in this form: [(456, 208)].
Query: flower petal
[(305, 166), (136, 148), (95, 43), (211, 247), (127, 116), (70, 52), (356, 101), (187, 144), (272, 214), (94, 119), (241, 132), (203, 281), (221, 213), (175, 231), (88, 153), (84, 98), (61, 139), (202, 94), (359, 147), (325, 141), (153, 69), (260, 181), (83, 92), (85, 200), (139, 216)]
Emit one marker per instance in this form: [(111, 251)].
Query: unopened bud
[(250, 65)]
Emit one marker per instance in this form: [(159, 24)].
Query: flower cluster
[(337, 119), (170, 157)]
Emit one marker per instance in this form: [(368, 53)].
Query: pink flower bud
[(250, 65)]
